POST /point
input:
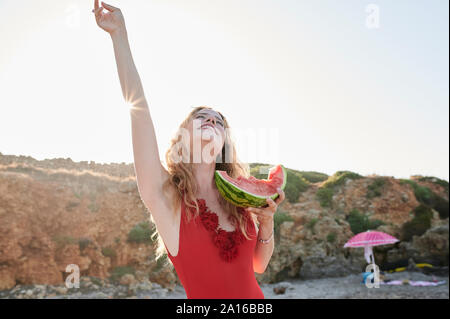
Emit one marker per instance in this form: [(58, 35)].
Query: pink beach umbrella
[(368, 239)]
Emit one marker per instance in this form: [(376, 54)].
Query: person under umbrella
[(368, 239)]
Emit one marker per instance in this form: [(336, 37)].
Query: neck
[(204, 175)]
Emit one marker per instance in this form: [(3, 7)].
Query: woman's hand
[(111, 21), (265, 214)]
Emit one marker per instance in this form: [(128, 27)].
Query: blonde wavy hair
[(182, 180)]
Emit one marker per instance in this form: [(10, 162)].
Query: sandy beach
[(349, 287)]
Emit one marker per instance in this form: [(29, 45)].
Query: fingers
[(281, 197), (272, 204), (265, 210), (97, 11), (95, 5), (109, 7)]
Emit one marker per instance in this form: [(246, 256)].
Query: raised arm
[(150, 174)]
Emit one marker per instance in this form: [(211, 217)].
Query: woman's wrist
[(119, 34), (265, 240), (266, 227), (265, 233)]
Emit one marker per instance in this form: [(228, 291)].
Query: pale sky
[(322, 85)]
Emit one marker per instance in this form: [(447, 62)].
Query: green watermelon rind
[(244, 199), (284, 178), (225, 195), (240, 202), (254, 196), (231, 195), (240, 197)]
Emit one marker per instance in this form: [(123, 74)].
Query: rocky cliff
[(57, 212)]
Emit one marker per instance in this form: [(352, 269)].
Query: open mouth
[(207, 125)]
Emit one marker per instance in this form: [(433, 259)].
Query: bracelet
[(266, 241)]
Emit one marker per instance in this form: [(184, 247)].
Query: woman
[(211, 243)]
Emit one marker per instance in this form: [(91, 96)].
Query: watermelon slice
[(251, 192)]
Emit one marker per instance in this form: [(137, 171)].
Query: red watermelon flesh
[(261, 187), (251, 191)]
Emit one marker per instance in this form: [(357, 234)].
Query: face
[(207, 128)]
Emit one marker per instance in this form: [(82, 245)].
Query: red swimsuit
[(215, 264)]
